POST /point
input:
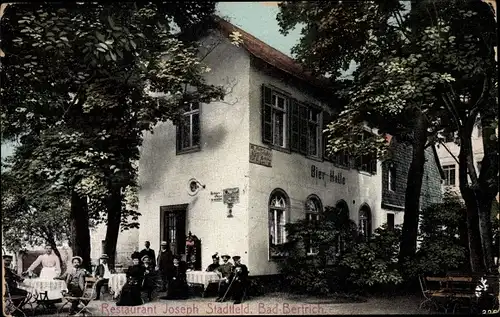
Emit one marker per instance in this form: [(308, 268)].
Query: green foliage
[(374, 262), (316, 273), (77, 82), (441, 247)]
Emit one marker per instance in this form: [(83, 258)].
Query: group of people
[(234, 277)]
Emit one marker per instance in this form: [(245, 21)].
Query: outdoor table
[(54, 288), (116, 283), (202, 278)]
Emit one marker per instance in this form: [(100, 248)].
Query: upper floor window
[(449, 175), (290, 125), (313, 211), (278, 213), (391, 176), (188, 130), (274, 118), (367, 162)]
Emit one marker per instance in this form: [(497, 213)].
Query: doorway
[(173, 224)]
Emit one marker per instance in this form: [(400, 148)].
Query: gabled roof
[(272, 56)]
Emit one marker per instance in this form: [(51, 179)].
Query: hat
[(164, 243), (135, 255), (236, 257), (225, 256), (146, 256), (215, 256), (178, 257), (7, 256), (79, 258), (104, 256)]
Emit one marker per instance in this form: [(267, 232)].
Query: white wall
[(292, 173), (221, 163)]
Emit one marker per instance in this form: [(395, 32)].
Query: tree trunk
[(472, 205), (114, 210), (408, 244), (79, 216)]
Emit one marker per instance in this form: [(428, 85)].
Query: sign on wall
[(260, 155), (231, 195), (333, 176), (216, 196)]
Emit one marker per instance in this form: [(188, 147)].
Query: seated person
[(11, 279), (224, 271), (177, 284), (215, 263), (103, 274), (239, 280), (75, 280), (150, 283), (131, 292)]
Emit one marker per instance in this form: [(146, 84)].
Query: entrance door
[(174, 227)]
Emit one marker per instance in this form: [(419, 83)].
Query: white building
[(263, 148)]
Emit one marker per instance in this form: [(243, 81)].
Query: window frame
[(179, 134), (316, 201), (447, 169), (273, 236)]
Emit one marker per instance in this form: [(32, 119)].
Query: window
[(365, 222), (368, 162), (274, 118), (449, 175), (290, 125), (343, 215), (188, 130), (313, 211), (340, 158), (278, 208), (391, 176), (390, 221)]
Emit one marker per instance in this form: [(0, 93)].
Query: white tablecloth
[(116, 283), (36, 286), (201, 277)]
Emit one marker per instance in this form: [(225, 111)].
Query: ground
[(271, 304)]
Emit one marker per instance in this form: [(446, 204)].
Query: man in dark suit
[(164, 264), (239, 280), (11, 279), (224, 271), (149, 252), (103, 274)]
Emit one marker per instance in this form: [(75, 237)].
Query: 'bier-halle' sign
[(260, 155)]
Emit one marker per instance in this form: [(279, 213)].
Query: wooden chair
[(89, 294), (15, 303), (427, 293)]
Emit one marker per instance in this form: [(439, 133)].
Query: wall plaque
[(260, 155), (216, 196), (231, 195)]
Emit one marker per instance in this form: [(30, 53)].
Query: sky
[(257, 18)]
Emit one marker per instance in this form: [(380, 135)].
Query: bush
[(443, 236), (374, 262)]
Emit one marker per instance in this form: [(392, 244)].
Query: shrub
[(374, 262)]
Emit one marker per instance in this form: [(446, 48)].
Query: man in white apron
[(51, 267)]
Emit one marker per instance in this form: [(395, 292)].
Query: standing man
[(239, 279), (149, 252), (103, 274), (224, 270), (164, 264)]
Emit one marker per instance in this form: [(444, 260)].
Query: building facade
[(235, 172)]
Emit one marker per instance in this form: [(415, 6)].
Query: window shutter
[(303, 129), (267, 123), (294, 125)]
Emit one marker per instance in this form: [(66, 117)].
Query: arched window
[(313, 210), (343, 216), (365, 221), (278, 213)]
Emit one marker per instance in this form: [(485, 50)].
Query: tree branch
[(449, 152)]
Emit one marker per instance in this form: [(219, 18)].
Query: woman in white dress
[(51, 267)]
